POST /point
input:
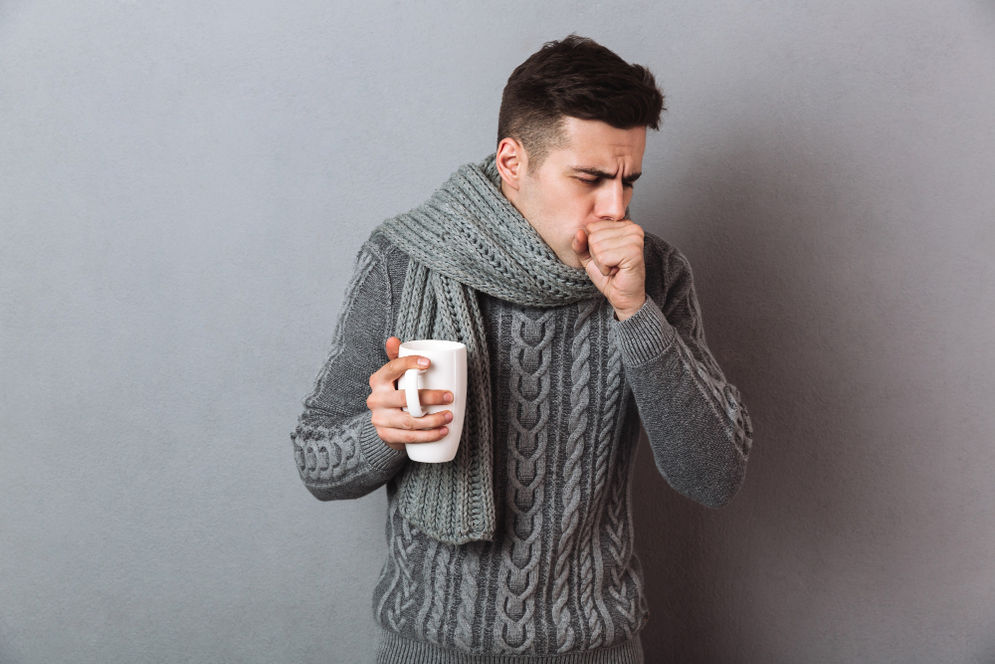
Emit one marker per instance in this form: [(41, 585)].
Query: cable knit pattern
[(422, 623), (530, 359), (391, 573), (469, 589), (596, 615), (326, 457), (442, 579), (400, 609), (568, 387), (618, 530), (580, 400)]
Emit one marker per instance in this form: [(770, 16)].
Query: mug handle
[(410, 382)]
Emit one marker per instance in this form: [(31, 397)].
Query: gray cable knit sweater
[(570, 386)]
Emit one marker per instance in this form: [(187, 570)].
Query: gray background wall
[(184, 185)]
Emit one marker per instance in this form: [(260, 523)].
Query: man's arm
[(338, 451), (699, 430)]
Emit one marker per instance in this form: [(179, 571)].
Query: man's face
[(588, 179)]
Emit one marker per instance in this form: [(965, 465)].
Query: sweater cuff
[(376, 452), (645, 335)]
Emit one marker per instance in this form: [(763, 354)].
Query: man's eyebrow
[(605, 175)]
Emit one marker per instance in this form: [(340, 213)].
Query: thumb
[(583, 251), (392, 346), (579, 246)]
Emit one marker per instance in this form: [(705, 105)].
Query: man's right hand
[(394, 426)]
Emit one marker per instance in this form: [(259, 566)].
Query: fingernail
[(449, 397), (423, 361), (445, 430), (449, 417)]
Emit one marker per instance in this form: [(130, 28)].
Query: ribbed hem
[(376, 452), (645, 335), (394, 649)]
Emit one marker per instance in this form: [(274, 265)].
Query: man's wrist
[(644, 336), (622, 314)]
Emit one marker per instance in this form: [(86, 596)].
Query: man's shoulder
[(662, 257), (654, 243), (381, 248)]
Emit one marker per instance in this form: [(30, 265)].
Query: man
[(579, 327)]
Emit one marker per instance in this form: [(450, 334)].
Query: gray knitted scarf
[(467, 238)]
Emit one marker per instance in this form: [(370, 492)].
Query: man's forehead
[(603, 159), (595, 144)]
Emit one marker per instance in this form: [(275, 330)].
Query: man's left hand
[(612, 254)]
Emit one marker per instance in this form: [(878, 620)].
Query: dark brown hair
[(575, 77)]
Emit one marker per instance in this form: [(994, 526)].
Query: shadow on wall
[(769, 254)]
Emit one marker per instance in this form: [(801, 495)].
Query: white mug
[(447, 371)]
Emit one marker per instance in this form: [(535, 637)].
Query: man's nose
[(611, 202)]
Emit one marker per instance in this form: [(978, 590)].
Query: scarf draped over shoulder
[(467, 238)]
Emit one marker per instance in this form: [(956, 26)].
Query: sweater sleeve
[(698, 428), (337, 449)]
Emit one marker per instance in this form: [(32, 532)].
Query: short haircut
[(575, 77)]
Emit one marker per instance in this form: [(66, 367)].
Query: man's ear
[(512, 162)]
